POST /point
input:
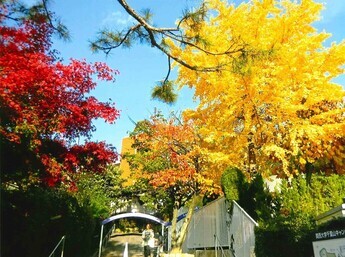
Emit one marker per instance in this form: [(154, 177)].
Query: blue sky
[(141, 66)]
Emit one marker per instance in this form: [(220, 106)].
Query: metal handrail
[(104, 240), (62, 240), (108, 235), (218, 246)]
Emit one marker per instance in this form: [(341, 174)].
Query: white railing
[(104, 240), (62, 241)]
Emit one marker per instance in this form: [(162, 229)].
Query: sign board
[(330, 243), (329, 248)]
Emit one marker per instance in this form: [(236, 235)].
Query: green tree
[(101, 192), (303, 200), (297, 204), (35, 219), (287, 214), (152, 199), (51, 213), (252, 195)]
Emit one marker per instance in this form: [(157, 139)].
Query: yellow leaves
[(334, 60), (275, 81), (302, 161), (278, 154)]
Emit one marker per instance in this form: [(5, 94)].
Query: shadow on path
[(116, 246)]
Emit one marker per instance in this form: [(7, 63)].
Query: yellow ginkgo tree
[(263, 77), (272, 106)]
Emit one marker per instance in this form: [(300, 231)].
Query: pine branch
[(150, 33)]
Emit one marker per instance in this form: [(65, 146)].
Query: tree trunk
[(173, 228), (179, 238)]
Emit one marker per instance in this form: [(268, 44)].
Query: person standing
[(148, 240), (158, 242)]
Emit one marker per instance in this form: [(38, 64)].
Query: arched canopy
[(134, 215)]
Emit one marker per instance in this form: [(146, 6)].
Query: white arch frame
[(134, 215), (128, 215)]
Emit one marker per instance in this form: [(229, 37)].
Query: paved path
[(116, 246)]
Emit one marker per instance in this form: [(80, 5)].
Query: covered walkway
[(113, 245)]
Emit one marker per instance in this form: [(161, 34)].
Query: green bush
[(33, 222), (292, 227), (281, 241), (286, 217)]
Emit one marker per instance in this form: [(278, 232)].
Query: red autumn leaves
[(45, 105)]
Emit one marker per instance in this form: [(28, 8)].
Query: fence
[(222, 229)]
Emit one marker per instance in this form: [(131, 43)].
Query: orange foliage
[(170, 156)]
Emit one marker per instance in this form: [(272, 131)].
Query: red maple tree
[(45, 105)]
